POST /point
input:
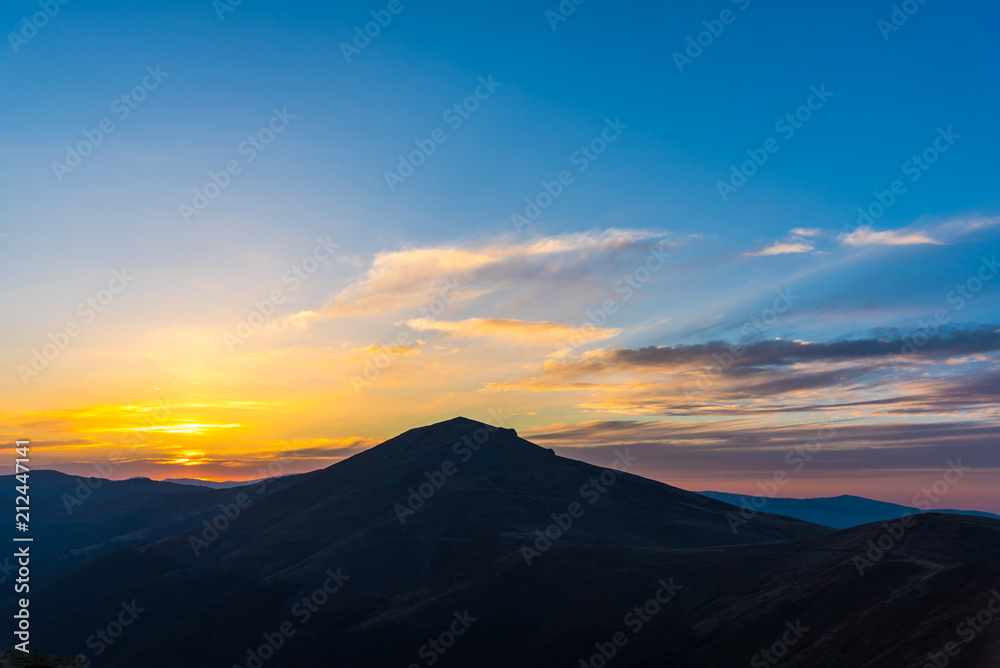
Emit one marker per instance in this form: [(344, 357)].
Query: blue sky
[(891, 95)]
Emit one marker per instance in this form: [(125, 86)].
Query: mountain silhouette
[(840, 512), (462, 544)]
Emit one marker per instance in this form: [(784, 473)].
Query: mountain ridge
[(548, 550), (840, 512)]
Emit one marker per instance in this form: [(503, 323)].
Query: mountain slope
[(500, 491), (75, 519), (470, 559)]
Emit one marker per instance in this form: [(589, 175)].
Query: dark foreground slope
[(387, 587)]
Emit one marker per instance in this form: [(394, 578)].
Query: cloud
[(785, 352), (959, 227), (416, 278), (393, 350), (790, 246), (981, 223), (671, 446), (523, 331), (806, 231), (853, 390), (802, 239), (865, 236), (884, 375), (783, 248), (330, 448)]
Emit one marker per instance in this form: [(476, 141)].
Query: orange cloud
[(393, 350), (539, 333)]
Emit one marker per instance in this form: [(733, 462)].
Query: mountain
[(211, 484), (459, 544), (840, 512), (53, 485), (76, 519)]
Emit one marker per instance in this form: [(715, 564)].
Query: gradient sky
[(639, 308)]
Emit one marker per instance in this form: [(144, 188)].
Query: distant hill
[(840, 512), (53, 485), (211, 484), (75, 519)]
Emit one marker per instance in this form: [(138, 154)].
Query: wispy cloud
[(884, 375), (413, 277), (784, 352), (523, 331), (959, 227), (783, 248), (393, 350), (751, 446), (866, 236)]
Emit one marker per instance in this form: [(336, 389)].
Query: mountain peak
[(460, 422), (457, 432)]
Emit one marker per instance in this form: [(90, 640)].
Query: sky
[(745, 240)]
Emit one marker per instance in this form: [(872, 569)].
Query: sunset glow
[(588, 254)]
